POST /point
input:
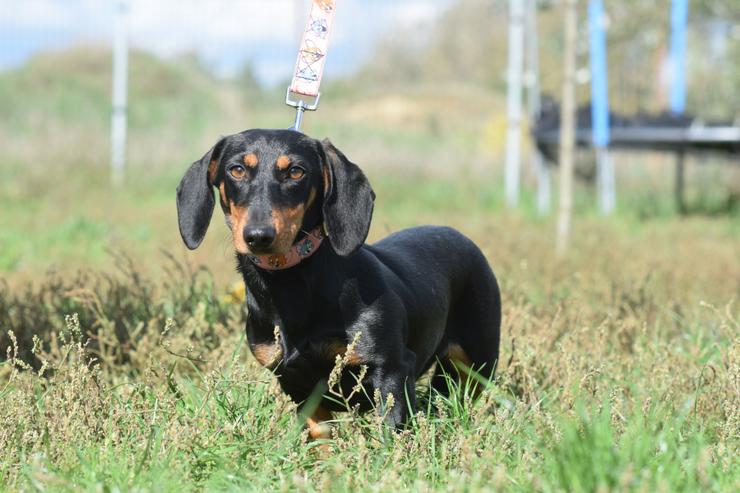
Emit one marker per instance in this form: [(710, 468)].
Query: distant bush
[(121, 312)]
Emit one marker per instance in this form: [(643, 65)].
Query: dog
[(299, 213)]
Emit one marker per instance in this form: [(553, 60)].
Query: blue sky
[(224, 33)]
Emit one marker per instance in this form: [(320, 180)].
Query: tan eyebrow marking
[(282, 162), (250, 160)]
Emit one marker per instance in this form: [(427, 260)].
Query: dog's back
[(445, 279)]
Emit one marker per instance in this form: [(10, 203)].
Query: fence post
[(679, 19), (540, 167), (514, 101), (120, 90), (567, 130), (600, 108)]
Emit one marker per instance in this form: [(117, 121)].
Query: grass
[(618, 373), (127, 368)]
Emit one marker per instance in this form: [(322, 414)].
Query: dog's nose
[(259, 237)]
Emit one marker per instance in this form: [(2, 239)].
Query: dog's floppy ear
[(348, 201), (195, 197)]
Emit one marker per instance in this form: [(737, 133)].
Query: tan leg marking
[(267, 355), (463, 364), (332, 349), (317, 426), (457, 354)]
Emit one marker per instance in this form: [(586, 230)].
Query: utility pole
[(541, 170), (120, 90), (514, 101), (567, 130)]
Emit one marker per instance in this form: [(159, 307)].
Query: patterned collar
[(298, 252)]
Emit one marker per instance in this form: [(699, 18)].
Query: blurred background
[(414, 91), (619, 359)]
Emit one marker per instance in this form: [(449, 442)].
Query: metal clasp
[(300, 106)]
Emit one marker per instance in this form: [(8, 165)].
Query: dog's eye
[(296, 173), (238, 172)]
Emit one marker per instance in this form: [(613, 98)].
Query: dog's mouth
[(262, 251), (280, 246)]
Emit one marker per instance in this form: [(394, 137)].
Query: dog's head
[(273, 184)]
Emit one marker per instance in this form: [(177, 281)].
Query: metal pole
[(679, 17), (541, 170), (681, 181), (600, 107), (606, 181), (514, 100), (120, 90), (567, 130)]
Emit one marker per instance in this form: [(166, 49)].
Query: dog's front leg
[(317, 424), (398, 380)]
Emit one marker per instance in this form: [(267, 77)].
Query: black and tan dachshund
[(299, 212)]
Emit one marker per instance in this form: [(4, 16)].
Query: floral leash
[(303, 93)]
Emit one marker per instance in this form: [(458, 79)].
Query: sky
[(225, 34)]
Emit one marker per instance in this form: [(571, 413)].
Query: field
[(127, 369)]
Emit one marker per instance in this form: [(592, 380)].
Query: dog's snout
[(259, 237)]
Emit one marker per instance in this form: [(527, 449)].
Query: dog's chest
[(309, 365), (313, 352)]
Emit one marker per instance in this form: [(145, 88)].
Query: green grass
[(616, 375), (179, 420)]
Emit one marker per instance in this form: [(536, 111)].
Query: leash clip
[(300, 106)]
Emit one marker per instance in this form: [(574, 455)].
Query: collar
[(297, 253)]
